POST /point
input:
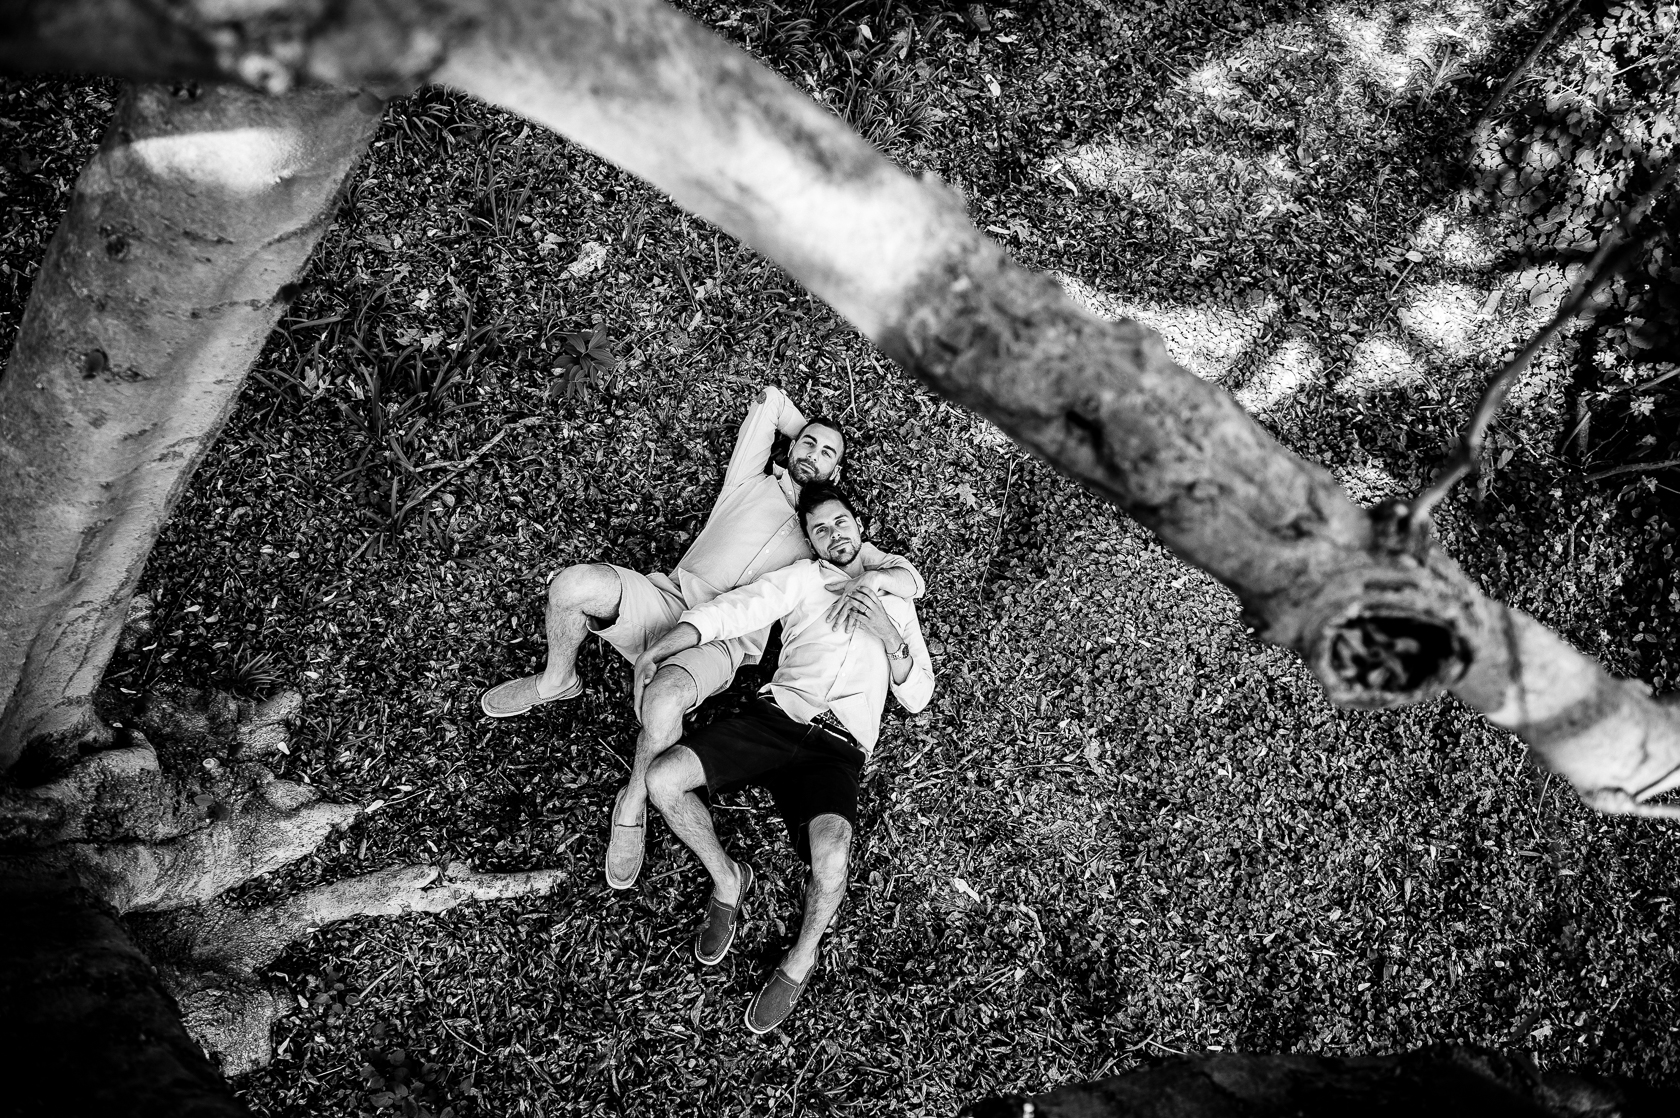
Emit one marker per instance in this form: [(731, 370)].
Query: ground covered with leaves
[(1123, 830)]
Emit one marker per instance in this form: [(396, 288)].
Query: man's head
[(815, 452), (831, 521)]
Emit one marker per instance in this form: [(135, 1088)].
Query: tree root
[(163, 847), (210, 952)]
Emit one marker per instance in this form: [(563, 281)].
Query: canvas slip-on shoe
[(626, 845), (516, 696), (772, 1004), (722, 921)]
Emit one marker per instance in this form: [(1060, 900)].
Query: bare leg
[(667, 698), (575, 596), (671, 782), (831, 848)]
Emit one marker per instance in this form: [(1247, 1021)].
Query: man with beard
[(806, 738), (752, 530)]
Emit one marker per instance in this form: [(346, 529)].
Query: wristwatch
[(903, 652)]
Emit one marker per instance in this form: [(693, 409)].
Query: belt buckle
[(832, 724)]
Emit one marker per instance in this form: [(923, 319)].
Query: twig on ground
[(465, 463), (1003, 511), (1522, 68), (1633, 468), (1463, 460)]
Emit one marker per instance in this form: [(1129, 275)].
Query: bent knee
[(583, 585), (672, 774), (831, 847), (668, 696)]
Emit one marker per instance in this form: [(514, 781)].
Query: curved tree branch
[(1380, 620)]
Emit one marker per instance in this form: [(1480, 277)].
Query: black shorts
[(809, 770)]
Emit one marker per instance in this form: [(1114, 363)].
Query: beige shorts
[(647, 610)]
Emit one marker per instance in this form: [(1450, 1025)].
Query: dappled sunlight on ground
[(1397, 49), (1382, 360), (1368, 482), (1201, 180), (1446, 316), (1294, 365), (1208, 341)]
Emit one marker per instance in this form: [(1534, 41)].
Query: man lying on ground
[(806, 738), (752, 530)]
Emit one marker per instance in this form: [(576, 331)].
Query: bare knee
[(831, 848), (674, 774), (669, 695), (591, 588)]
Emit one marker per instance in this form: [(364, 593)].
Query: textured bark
[(1443, 1079), (179, 251), (87, 1027), (273, 825), (246, 939), (209, 954), (1382, 619)]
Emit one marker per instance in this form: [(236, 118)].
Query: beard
[(841, 552), (803, 471)]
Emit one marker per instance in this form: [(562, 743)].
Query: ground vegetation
[(1124, 830)]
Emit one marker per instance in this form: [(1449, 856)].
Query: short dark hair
[(833, 425), (820, 493)]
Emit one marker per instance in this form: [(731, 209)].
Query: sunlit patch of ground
[(1208, 341)]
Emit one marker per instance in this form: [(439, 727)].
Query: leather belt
[(832, 724)]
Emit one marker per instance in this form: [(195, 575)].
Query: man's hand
[(647, 666), (871, 616), (847, 608), (683, 636)]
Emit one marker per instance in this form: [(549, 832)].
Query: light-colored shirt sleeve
[(874, 559), (752, 607), (771, 411), (913, 694)]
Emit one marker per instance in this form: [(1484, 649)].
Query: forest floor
[(1123, 830)]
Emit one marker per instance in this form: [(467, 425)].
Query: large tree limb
[(209, 954), (87, 1027), (273, 826), (1379, 620), (183, 239), (1440, 1079), (216, 935)]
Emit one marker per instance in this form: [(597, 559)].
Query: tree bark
[(86, 1026), (1441, 1079), (1381, 618), (179, 252)]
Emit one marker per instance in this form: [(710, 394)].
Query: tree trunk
[(1442, 1079), (1380, 615), (179, 252), (87, 1027)]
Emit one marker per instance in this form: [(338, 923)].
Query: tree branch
[(1378, 622)]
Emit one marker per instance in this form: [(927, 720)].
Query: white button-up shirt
[(753, 527), (822, 667)]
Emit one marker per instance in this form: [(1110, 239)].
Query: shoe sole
[(734, 928)]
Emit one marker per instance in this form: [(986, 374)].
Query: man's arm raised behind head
[(770, 412)]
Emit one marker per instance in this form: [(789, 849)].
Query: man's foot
[(516, 696), (772, 1004), (625, 846), (722, 920)]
